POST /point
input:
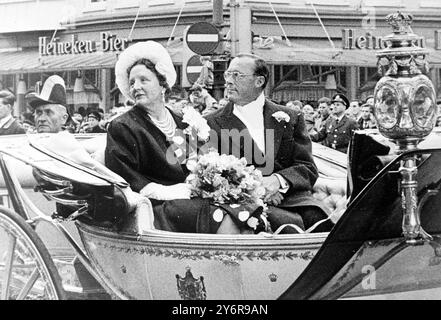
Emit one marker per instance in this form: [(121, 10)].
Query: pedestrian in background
[(338, 129), (324, 105), (8, 124)]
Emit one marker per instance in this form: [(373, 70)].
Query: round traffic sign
[(202, 38), (194, 67)]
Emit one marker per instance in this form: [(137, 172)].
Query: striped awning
[(29, 61), (320, 52), (275, 51)]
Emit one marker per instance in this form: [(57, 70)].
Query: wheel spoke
[(28, 286), (8, 265)]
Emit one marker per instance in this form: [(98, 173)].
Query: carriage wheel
[(26, 267)]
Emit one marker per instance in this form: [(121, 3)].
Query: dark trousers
[(302, 216)]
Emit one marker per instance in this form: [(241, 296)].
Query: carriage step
[(77, 281)]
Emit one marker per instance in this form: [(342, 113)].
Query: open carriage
[(363, 256), (148, 263)]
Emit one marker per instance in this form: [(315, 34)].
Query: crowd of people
[(95, 120), (332, 121)]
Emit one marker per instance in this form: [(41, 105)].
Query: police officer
[(338, 129)]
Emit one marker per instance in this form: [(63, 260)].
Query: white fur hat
[(150, 50)]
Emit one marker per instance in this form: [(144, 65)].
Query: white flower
[(218, 215), (280, 115), (253, 222), (244, 215), (195, 122)]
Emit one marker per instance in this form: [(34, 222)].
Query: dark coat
[(370, 124), (336, 135), (137, 150), (289, 149), (12, 127)]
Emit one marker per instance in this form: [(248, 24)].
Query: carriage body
[(157, 264)]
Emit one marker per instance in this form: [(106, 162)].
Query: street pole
[(218, 22), (218, 13)]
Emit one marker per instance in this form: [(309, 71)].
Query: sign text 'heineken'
[(107, 42)]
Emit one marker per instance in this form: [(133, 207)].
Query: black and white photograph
[(220, 156)]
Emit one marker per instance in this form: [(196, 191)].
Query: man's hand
[(274, 200), (271, 184)]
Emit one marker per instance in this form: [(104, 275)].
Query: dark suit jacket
[(137, 150), (371, 124), (12, 127), (288, 147)]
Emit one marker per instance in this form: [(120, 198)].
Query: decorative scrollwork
[(228, 257)]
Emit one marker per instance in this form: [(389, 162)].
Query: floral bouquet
[(232, 185)]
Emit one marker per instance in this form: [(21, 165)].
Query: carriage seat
[(330, 187), (332, 192)]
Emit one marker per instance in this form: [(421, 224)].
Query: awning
[(321, 52), (273, 50), (28, 61)]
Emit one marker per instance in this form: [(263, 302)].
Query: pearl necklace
[(167, 126)]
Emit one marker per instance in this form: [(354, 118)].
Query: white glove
[(162, 192)]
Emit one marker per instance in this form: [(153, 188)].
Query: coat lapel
[(157, 134), (272, 124), (227, 120)]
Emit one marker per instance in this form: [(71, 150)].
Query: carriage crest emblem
[(191, 288)]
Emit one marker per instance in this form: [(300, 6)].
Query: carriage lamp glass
[(405, 103), (405, 110)]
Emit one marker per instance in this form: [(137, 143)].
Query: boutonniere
[(281, 116)]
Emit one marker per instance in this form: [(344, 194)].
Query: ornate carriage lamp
[(405, 110)]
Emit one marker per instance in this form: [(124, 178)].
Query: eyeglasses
[(236, 75)]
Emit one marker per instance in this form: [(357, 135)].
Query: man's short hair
[(260, 67), (368, 105), (325, 100), (7, 96)]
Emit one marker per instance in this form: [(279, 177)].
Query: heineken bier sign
[(106, 43)]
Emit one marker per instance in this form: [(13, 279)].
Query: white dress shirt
[(251, 115)]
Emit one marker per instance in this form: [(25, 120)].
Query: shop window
[(368, 75), (324, 77), (8, 81), (33, 78), (310, 73), (292, 73), (341, 74), (92, 77)]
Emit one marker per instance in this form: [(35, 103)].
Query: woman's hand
[(162, 192)]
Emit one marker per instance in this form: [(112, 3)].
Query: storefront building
[(315, 48)]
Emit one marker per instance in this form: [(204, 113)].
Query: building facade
[(315, 47)]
